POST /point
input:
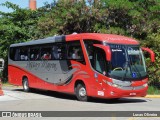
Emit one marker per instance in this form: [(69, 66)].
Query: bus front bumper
[(116, 92)]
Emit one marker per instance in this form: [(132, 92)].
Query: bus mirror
[(152, 55), (106, 49)]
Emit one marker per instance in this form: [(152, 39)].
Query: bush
[(153, 90)]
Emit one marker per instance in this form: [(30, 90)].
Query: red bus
[(87, 65)]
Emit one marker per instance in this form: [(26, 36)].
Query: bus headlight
[(145, 85), (112, 84)]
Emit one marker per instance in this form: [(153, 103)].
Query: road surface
[(17, 100)]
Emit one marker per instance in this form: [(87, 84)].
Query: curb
[(152, 96)]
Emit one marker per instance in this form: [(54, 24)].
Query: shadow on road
[(92, 100), (118, 101)]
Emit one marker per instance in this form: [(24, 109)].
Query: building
[(33, 4)]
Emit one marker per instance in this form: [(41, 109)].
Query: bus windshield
[(127, 62)]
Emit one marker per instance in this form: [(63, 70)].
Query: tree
[(134, 18), (17, 26), (72, 16)]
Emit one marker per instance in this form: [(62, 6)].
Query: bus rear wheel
[(81, 92), (25, 85)]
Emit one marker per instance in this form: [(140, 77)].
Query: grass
[(6, 84), (153, 90)]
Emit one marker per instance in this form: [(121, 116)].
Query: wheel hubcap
[(82, 92)]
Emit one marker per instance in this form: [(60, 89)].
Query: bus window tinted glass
[(46, 53), (60, 51), (23, 54), (75, 51), (19, 54), (100, 61), (14, 53), (91, 49), (55, 54), (34, 53)]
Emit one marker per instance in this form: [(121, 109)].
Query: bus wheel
[(25, 85), (81, 92)]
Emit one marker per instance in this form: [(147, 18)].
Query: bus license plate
[(132, 94)]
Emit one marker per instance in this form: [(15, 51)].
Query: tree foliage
[(18, 26), (15, 27), (134, 18)]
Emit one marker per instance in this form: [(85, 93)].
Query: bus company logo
[(6, 114), (43, 64)]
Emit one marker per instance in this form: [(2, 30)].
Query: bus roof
[(108, 38), (52, 39)]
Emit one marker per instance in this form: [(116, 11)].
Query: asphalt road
[(17, 100)]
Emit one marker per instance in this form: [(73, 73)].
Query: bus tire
[(81, 92), (25, 85)]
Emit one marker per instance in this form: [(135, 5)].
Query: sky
[(22, 4)]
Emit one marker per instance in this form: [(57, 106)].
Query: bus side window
[(17, 56), (14, 53), (75, 52), (46, 53), (55, 54), (90, 52), (61, 51), (34, 53), (100, 61), (23, 54)]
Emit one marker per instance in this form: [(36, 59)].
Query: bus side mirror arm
[(106, 49), (152, 55)]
